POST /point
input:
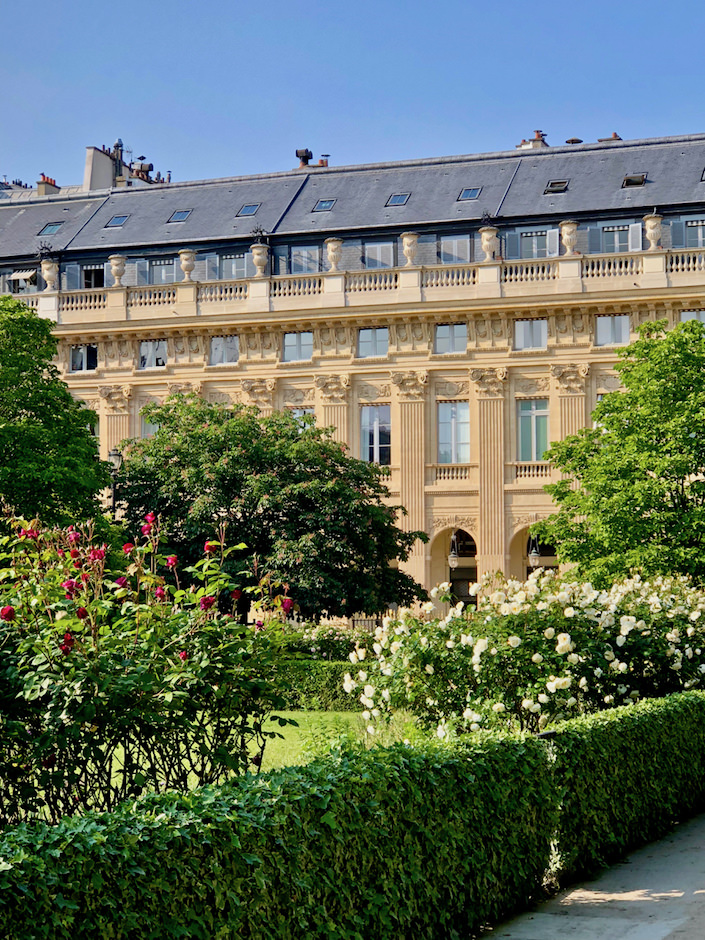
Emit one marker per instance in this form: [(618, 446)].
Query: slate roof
[(512, 189)]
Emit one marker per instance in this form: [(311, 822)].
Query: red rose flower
[(287, 604), (7, 613), (146, 528), (183, 656), (74, 553), (207, 602), (127, 547), (172, 561), (150, 517), (236, 594), (74, 537), (121, 582), (159, 593), (81, 613)]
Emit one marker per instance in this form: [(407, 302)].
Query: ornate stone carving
[(334, 250), (260, 391), (260, 255), (522, 520), (117, 268), (333, 388), (50, 273), (454, 521), (184, 388), (410, 246), (530, 386), (116, 397), (411, 385), (297, 396), (653, 230), (220, 398), (489, 383), (580, 324), (369, 392), (569, 235), (570, 379), (187, 257), (608, 383), (490, 241), (451, 389)]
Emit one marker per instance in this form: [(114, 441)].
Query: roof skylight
[(469, 193), (398, 199), (180, 215), (633, 179), (555, 186), (117, 221), (51, 228), (250, 208), (324, 205)]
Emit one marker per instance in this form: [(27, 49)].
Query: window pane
[(454, 250), (305, 260), (77, 358), (693, 315), (379, 255), (541, 436), (232, 267), (525, 451), (152, 354)]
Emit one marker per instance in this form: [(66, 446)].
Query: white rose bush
[(532, 653)]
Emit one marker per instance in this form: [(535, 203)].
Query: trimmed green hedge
[(317, 685), (429, 842), (627, 775)]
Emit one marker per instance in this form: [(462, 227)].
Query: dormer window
[(633, 179), (250, 209), (324, 205), (180, 215), (51, 228), (469, 193), (398, 199), (555, 186)]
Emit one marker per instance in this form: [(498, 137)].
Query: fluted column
[(489, 386), (115, 417), (572, 399), (334, 391), (411, 394)]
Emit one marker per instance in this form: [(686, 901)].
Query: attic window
[(250, 209), (117, 221), (180, 215), (398, 199), (555, 186), (634, 179), (51, 228), (324, 205), (470, 193)]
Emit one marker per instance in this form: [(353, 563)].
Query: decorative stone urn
[(410, 246), (569, 235), (117, 268), (260, 255), (334, 247), (188, 262), (653, 230), (50, 273), (490, 241)]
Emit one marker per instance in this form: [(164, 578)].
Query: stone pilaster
[(260, 392), (334, 391), (411, 394), (572, 400), (490, 387), (116, 415)]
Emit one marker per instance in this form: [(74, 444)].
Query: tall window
[(373, 342), (451, 338), (612, 330), (530, 334), (379, 255), (454, 249), (305, 259), (152, 354), (532, 419), (533, 245), (615, 238), (224, 349), (93, 276), (297, 347), (161, 271), (453, 432), (84, 358), (376, 434), (232, 266), (147, 428)]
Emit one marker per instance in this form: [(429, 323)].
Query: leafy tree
[(312, 516), (49, 464), (633, 492)]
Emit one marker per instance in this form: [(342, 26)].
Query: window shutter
[(72, 277), (553, 242), (511, 245), (211, 266), (677, 234), (279, 259), (635, 237), (108, 278), (141, 272), (594, 240)]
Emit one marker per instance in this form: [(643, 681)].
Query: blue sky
[(215, 89)]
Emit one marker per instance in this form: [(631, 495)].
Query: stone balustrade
[(530, 279)]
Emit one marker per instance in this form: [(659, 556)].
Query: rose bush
[(113, 681), (533, 653)]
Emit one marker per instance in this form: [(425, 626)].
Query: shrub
[(405, 842), (313, 685), (322, 642), (112, 682), (534, 653), (627, 775)]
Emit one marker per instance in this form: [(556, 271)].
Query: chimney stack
[(538, 142), (46, 186)]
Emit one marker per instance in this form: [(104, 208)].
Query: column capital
[(490, 383), (411, 385), (570, 378), (333, 388)]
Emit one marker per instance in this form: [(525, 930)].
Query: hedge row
[(429, 842), (626, 775), (426, 842), (317, 685)]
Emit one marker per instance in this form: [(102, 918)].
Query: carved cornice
[(411, 385), (490, 383), (368, 392), (296, 396), (515, 522), (333, 388), (454, 521), (532, 386), (570, 379), (451, 389)]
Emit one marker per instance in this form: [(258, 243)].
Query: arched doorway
[(523, 547), (461, 565)]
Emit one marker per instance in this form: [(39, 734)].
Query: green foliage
[(533, 653), (627, 775), (115, 682), (324, 642), (633, 488), (402, 842), (317, 685), (49, 464), (312, 516)]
